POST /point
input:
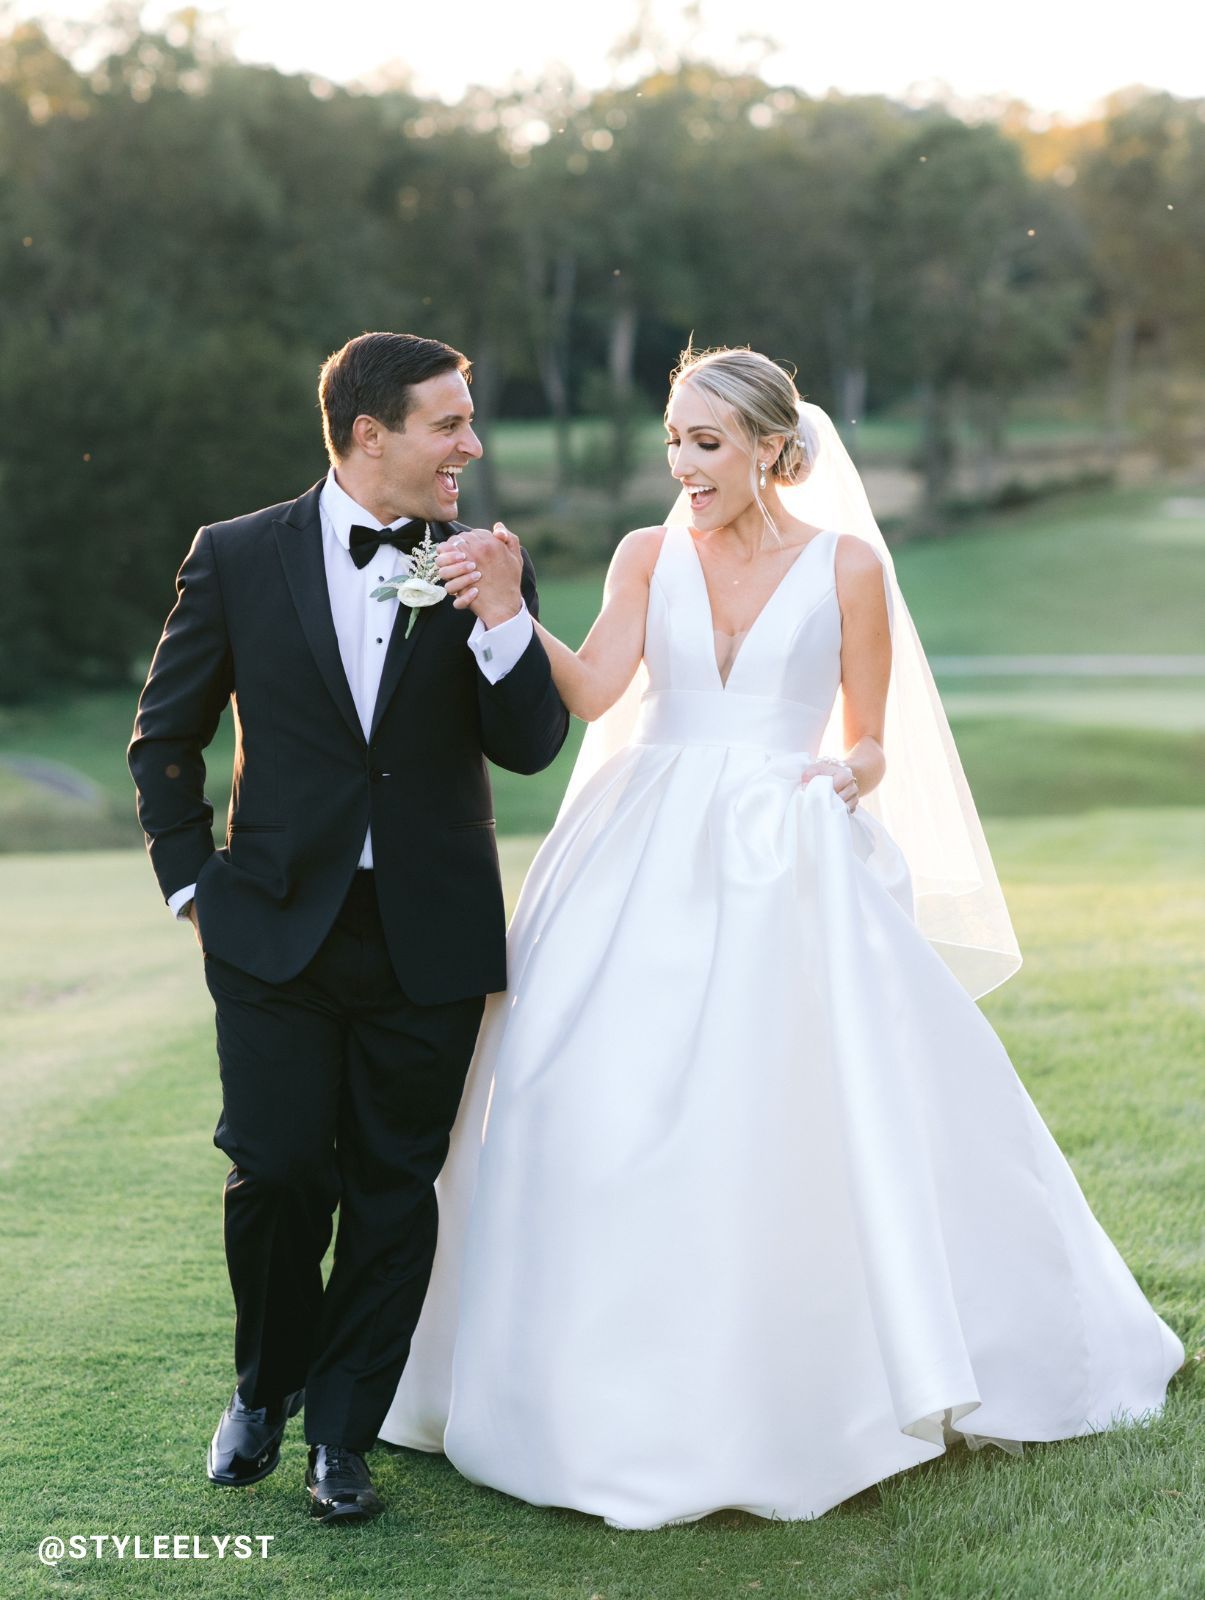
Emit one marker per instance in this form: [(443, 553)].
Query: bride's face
[(706, 457)]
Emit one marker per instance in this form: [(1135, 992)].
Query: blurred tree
[(1137, 179), (183, 265), (38, 77), (118, 443), (796, 238), (447, 184), (555, 219), (637, 159), (981, 295)]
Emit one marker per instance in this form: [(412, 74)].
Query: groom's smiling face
[(421, 462)]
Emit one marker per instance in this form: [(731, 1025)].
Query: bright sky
[(1058, 56)]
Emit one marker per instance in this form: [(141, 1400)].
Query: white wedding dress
[(745, 1205)]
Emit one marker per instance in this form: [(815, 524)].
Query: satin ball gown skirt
[(746, 1206)]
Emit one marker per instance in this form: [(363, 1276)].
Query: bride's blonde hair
[(763, 401)]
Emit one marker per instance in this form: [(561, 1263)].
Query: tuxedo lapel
[(401, 649), (299, 541)]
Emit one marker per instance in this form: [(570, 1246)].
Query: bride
[(746, 1206)]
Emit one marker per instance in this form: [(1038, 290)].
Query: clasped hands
[(482, 569)]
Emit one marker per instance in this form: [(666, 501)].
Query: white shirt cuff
[(179, 900), (498, 649)]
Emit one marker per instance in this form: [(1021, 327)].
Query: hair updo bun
[(807, 442)]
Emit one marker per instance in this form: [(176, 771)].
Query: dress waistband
[(709, 716)]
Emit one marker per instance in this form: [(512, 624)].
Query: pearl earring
[(761, 482)]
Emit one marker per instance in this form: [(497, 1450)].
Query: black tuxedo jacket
[(252, 625)]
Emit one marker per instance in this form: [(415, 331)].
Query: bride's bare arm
[(865, 658), (591, 680)]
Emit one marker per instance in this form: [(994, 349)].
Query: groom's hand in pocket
[(191, 914), (483, 572)]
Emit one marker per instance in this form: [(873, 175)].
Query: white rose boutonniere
[(418, 588)]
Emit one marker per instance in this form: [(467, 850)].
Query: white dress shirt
[(363, 625)]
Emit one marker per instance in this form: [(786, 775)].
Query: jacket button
[(376, 775)]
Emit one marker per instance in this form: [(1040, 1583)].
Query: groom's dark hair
[(371, 376)]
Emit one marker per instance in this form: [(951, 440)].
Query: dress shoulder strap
[(672, 559)]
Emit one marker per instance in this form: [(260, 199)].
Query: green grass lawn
[(1103, 571), (117, 1320)]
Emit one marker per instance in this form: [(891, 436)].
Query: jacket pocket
[(459, 827), (257, 827)]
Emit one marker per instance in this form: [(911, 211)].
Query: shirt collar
[(343, 513)]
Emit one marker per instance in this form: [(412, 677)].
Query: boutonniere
[(420, 586)]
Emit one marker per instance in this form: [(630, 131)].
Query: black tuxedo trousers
[(337, 1090), (347, 1003)]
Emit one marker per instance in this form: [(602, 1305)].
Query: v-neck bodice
[(731, 644), (790, 653)]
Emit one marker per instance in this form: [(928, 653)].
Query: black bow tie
[(365, 542)]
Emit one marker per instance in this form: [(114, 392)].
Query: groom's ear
[(367, 432)]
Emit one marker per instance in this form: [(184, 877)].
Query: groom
[(352, 922)]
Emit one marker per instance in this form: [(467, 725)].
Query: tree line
[(184, 238)]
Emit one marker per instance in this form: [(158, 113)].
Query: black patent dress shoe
[(340, 1485), (246, 1444)]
